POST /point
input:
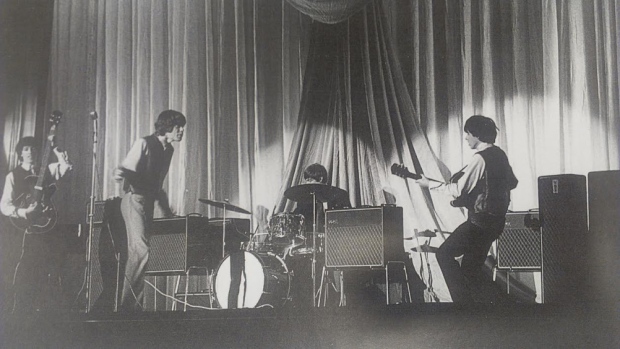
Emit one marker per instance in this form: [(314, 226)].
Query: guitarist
[(484, 189), (33, 267)]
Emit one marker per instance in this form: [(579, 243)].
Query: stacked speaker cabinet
[(363, 237), (563, 215), (604, 218)]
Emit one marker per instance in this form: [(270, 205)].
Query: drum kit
[(259, 274)]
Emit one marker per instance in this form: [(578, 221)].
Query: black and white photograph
[(310, 173)]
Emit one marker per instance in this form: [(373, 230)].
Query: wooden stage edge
[(395, 326)]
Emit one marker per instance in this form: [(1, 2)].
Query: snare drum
[(259, 280), (286, 225)]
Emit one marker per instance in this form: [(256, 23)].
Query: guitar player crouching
[(25, 200)]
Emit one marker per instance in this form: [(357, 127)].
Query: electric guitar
[(44, 218), (401, 170)]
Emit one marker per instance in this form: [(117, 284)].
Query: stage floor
[(395, 326)]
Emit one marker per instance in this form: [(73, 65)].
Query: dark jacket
[(488, 203)]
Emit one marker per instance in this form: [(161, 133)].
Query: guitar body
[(46, 217)]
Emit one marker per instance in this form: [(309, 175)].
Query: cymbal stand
[(224, 231)]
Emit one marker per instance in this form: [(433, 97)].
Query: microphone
[(93, 115)]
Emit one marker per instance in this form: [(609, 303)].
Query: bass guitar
[(45, 216)]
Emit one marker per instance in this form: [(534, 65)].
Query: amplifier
[(363, 237), (173, 242), (178, 244), (519, 246), (98, 212)]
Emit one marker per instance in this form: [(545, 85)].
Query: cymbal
[(224, 205), (426, 248), (323, 193), (426, 234)]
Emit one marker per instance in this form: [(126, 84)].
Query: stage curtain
[(546, 71), (25, 32), (234, 68), (393, 82), (396, 81), (329, 11), (357, 119)]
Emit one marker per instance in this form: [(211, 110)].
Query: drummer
[(299, 263), (316, 173)]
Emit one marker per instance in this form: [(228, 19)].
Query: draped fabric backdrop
[(234, 68), (267, 91)]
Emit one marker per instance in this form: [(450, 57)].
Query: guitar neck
[(414, 176), (45, 158)]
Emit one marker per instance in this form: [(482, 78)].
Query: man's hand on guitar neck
[(423, 181)]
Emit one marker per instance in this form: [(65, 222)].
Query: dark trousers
[(36, 281), (467, 279)]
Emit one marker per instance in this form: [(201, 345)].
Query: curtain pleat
[(234, 68), (268, 91)]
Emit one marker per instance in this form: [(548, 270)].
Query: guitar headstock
[(55, 117), (54, 121), (402, 171)]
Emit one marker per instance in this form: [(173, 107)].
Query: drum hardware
[(425, 234), (314, 193), (255, 280), (326, 281), (225, 206), (425, 249)]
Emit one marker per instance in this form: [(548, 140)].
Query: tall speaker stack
[(604, 214), (563, 214)]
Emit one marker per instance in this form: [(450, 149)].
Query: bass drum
[(254, 280)]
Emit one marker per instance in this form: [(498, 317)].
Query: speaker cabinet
[(563, 215), (102, 264), (363, 237), (178, 244), (604, 218), (172, 242), (519, 246)]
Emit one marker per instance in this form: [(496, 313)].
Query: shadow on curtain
[(356, 118)]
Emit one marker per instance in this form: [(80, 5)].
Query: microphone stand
[(91, 215), (315, 302)]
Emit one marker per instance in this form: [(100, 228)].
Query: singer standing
[(143, 171)]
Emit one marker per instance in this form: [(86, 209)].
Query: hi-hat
[(426, 234), (224, 205), (306, 193)]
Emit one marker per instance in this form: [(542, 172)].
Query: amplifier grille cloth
[(167, 253), (96, 280), (519, 248), (354, 246)]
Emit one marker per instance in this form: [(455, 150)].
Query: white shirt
[(472, 173), (7, 206)]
